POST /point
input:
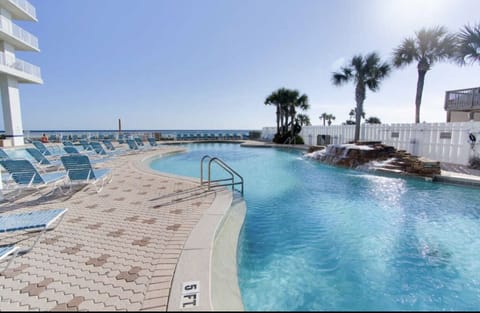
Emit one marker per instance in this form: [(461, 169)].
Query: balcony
[(17, 36), (23, 71), (27, 8), (462, 99), (20, 9)]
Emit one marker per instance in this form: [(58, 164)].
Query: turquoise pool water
[(322, 238)]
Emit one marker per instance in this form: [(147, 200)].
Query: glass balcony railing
[(25, 6), (21, 66), (17, 32)]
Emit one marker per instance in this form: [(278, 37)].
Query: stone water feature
[(374, 155)]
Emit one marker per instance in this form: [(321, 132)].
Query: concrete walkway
[(115, 250)]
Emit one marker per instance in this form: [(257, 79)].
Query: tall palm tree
[(273, 99), (428, 47), (296, 101), (278, 99), (468, 47), (323, 117), (330, 117), (287, 101), (365, 72)]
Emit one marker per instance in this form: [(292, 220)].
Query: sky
[(204, 64)]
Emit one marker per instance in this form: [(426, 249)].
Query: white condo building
[(12, 69)]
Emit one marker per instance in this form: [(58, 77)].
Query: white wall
[(421, 139)]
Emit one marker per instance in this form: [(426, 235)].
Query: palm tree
[(330, 117), (430, 46), (273, 99), (287, 101), (468, 47), (278, 98), (324, 117), (303, 119), (296, 101), (365, 72)]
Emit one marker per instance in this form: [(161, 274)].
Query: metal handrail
[(224, 166)]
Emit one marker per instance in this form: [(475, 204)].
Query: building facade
[(14, 71)]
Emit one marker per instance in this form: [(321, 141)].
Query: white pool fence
[(446, 142)]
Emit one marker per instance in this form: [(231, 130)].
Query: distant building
[(463, 105), (12, 69)]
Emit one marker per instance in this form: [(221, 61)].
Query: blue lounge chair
[(139, 142), (80, 170), (40, 146), (52, 138), (42, 160), (108, 144), (67, 143), (85, 145), (94, 157), (71, 150), (132, 144), (152, 142), (39, 221), (26, 176), (97, 147)]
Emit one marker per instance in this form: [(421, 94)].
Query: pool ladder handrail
[(224, 166)]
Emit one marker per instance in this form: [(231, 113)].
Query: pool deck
[(119, 249)]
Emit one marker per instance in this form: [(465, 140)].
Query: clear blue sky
[(201, 64)]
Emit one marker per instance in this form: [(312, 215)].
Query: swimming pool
[(318, 237)]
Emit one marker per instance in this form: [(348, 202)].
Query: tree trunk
[(293, 125), (281, 121), (359, 98), (418, 97), (278, 119)]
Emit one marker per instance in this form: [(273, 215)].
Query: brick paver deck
[(114, 250)]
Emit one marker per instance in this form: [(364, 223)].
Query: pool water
[(318, 237)]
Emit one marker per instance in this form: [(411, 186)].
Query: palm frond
[(468, 45), (344, 76), (406, 53)]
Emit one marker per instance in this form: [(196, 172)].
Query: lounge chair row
[(210, 136), (22, 175)]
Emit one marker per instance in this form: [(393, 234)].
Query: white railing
[(18, 32), (463, 99), (445, 142), (21, 66), (25, 6)]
